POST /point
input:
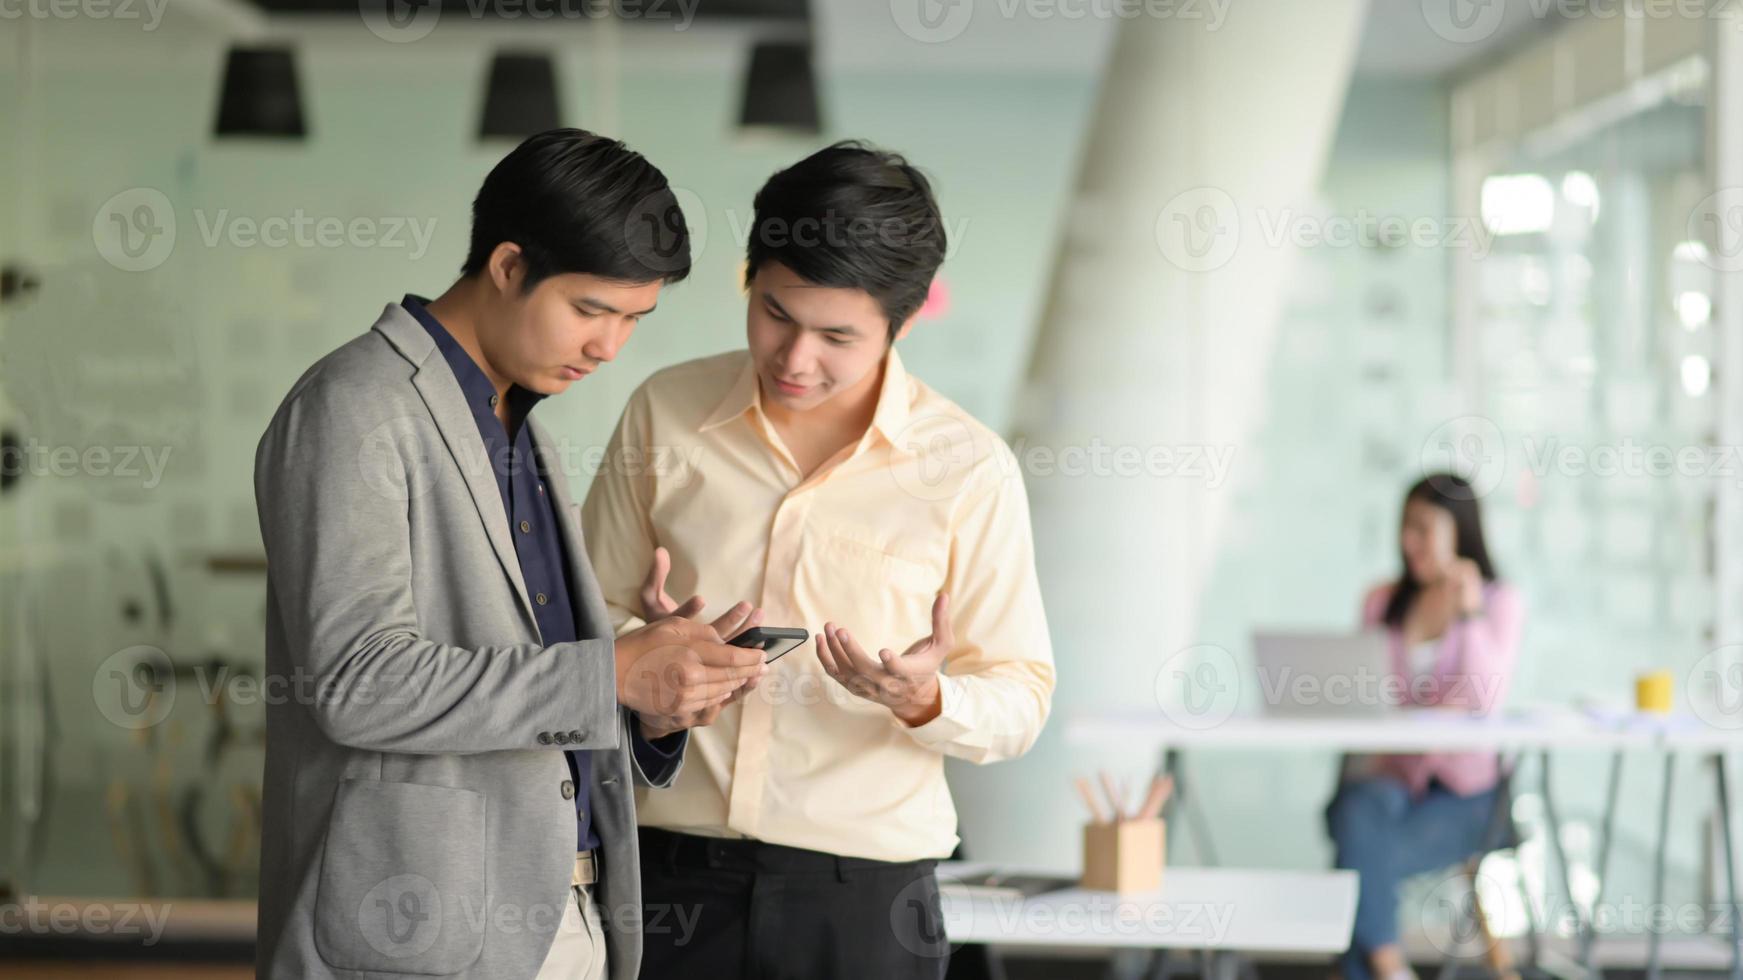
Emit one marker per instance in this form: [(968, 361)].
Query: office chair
[(1500, 834)]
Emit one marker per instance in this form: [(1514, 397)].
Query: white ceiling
[(1034, 36), (1024, 37), (1400, 41)]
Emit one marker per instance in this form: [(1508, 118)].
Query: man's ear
[(507, 266), (902, 331)]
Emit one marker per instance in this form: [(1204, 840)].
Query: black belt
[(739, 854)]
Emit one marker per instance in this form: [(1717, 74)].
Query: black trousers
[(744, 909)]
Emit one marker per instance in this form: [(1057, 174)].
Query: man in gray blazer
[(452, 731)]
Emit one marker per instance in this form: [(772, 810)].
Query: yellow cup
[(1655, 692)]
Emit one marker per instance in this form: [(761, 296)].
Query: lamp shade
[(260, 96), (520, 97), (780, 89)]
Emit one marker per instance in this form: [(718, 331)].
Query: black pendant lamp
[(260, 97), (520, 97)]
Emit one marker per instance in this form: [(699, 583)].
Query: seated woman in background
[(1454, 638)]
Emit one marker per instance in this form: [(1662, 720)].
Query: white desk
[(1533, 729), (1207, 909), (1402, 731)]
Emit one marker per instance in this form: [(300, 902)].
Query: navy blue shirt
[(538, 544)]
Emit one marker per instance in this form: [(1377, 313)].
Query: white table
[(1685, 734), (1401, 731), (1534, 729), (1219, 912), (1241, 910)]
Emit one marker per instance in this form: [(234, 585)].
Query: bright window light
[(1579, 189), (1690, 251), (1693, 308), (1697, 375), (1517, 204)]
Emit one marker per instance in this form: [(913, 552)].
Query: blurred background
[(1228, 275)]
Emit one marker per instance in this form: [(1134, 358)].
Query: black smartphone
[(775, 641)]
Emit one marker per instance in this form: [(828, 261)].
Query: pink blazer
[(1473, 670)]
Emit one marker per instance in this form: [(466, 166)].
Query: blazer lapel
[(441, 394), (584, 585)]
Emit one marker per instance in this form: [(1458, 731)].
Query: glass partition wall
[(1591, 353)]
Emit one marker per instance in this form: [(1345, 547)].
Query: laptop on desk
[(1323, 675)]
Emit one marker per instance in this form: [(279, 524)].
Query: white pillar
[(1208, 138)]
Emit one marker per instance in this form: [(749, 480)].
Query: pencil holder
[(1125, 856)]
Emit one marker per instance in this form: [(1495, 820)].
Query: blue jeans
[(1385, 837)]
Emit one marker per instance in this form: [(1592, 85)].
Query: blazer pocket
[(402, 879)]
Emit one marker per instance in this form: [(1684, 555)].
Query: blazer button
[(568, 789), (575, 737), (544, 738), (562, 738)]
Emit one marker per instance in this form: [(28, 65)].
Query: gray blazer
[(418, 815)]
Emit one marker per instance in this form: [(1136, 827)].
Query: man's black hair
[(575, 201), (852, 216)]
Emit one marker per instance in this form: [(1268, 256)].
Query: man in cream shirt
[(813, 477)]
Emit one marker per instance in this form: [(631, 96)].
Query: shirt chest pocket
[(877, 585)]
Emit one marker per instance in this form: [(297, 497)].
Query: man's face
[(562, 330), (812, 343)]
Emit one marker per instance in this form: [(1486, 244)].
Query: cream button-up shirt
[(927, 500)]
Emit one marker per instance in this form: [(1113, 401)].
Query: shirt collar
[(740, 398), (890, 418), (474, 383)]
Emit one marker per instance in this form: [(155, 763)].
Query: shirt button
[(568, 790), (540, 598), (541, 488), (493, 400), (525, 526)]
